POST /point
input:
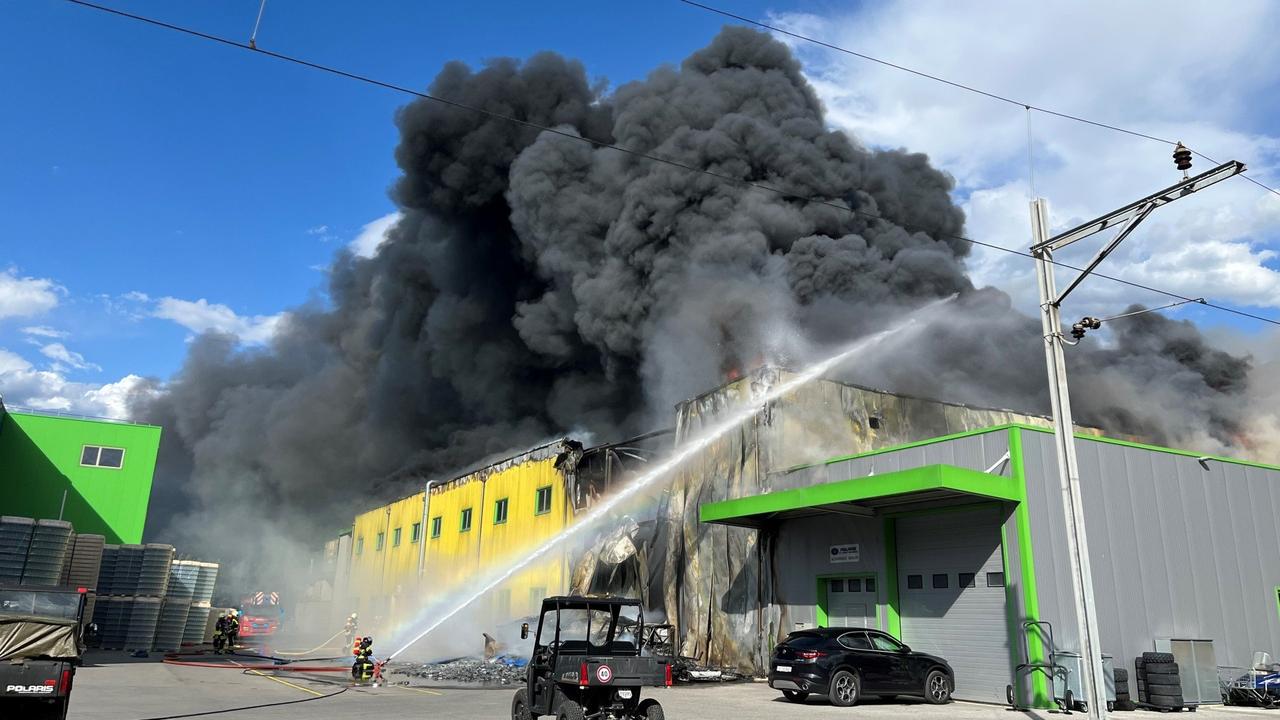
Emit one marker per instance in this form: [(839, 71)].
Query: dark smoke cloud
[(537, 285)]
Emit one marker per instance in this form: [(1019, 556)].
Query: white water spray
[(684, 452)]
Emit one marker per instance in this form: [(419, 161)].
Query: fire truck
[(260, 615)]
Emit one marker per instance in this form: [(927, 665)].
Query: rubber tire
[(795, 696), (928, 683), (1166, 701), (570, 710), (1164, 689), (1161, 669), (1008, 696), (1158, 657), (1121, 675), (520, 706), (650, 710), (834, 693)]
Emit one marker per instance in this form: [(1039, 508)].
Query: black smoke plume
[(537, 285)]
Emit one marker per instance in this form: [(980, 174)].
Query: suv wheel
[(795, 696), (845, 690), (937, 688), (650, 710)]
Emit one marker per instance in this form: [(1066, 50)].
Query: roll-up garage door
[(952, 597)]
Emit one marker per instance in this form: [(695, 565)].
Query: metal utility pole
[(1093, 683)]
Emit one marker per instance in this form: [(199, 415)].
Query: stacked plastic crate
[(198, 618)]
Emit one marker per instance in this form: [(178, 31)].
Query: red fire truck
[(260, 615)]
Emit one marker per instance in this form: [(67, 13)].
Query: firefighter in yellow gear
[(362, 669)]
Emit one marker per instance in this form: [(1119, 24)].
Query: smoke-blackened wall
[(537, 284)]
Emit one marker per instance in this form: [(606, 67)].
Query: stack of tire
[(1124, 701), (1159, 684)]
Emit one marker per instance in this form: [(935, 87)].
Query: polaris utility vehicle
[(588, 663), (845, 663), (40, 646)]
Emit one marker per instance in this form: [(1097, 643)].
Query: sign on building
[(845, 553)]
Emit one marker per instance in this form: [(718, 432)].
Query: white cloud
[(1118, 67), (60, 353), (201, 316), (44, 331), (318, 230), (26, 296), (22, 385), (372, 234)]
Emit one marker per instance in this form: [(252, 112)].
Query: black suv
[(844, 663)]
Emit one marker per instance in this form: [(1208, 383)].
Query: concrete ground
[(113, 687)]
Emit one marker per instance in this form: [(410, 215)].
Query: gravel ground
[(461, 672)]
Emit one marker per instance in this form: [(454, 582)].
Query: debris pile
[(504, 670)]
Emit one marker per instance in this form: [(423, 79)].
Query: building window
[(436, 523), (874, 422), (382, 540), (869, 585), (835, 586), (940, 581), (542, 504), (98, 456), (855, 585), (360, 546), (416, 534), (395, 537), (504, 603), (995, 579), (536, 596), (966, 580), (500, 511), (915, 582), (466, 520)]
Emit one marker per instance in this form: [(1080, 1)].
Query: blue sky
[(142, 161), (144, 171)]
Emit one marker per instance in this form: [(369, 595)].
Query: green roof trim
[(903, 482), (1036, 428), (1152, 448)]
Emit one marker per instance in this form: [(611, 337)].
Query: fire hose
[(321, 646)]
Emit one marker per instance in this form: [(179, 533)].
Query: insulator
[(1182, 157)]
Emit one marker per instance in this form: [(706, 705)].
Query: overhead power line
[(602, 144), (958, 85)]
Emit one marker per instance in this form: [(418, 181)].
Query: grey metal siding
[(801, 555), (974, 452), (1178, 549)]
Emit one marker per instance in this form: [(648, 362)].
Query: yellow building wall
[(383, 581), (458, 557)]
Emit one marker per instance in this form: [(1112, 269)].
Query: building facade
[(957, 546), (95, 473)]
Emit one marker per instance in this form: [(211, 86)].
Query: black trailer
[(588, 662), (40, 647)]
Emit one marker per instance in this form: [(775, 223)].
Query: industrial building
[(95, 473), (939, 523)]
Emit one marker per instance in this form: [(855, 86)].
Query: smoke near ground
[(537, 285)]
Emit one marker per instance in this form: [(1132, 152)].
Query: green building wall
[(40, 463)]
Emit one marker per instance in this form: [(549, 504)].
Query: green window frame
[(380, 542), (395, 537), (437, 524), (465, 523), (500, 511), (542, 500), (415, 534), (359, 546)]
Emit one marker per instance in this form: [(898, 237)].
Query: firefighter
[(350, 628), (362, 670), (233, 630), (220, 634)]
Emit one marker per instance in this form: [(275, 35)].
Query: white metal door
[(851, 602), (952, 597)]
